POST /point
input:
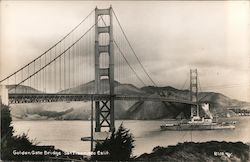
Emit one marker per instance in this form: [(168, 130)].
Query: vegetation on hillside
[(20, 147), (196, 152), (11, 143)]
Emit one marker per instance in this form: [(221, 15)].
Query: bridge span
[(18, 98)]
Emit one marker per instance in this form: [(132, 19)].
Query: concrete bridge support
[(4, 96)]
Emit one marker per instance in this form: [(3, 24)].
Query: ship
[(199, 123)]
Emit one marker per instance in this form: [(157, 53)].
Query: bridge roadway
[(18, 98)]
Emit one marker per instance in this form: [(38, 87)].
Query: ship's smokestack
[(205, 107)]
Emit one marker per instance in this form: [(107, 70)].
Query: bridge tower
[(194, 92), (104, 109)]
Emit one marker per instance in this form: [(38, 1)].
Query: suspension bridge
[(88, 64)]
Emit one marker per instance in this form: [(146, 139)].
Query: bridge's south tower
[(104, 109)]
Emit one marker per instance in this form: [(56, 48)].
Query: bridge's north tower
[(104, 109), (194, 92)]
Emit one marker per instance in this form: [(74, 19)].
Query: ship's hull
[(184, 127)]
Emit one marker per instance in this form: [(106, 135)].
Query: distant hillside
[(219, 104), (21, 89), (89, 88), (156, 110), (56, 110), (81, 110)]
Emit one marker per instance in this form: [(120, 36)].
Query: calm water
[(66, 135)]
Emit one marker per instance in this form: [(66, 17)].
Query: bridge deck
[(40, 97)]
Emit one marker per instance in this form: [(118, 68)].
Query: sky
[(169, 37)]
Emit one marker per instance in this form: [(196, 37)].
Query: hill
[(219, 104), (79, 110), (89, 88), (21, 89)]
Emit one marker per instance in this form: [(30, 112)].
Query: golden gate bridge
[(96, 51)]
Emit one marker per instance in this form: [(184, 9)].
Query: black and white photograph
[(118, 80)]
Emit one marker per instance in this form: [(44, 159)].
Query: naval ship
[(199, 123)]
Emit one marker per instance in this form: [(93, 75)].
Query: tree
[(6, 128), (6, 132), (119, 146), (9, 142)]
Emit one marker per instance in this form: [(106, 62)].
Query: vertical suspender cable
[(69, 73), (15, 83), (64, 66), (28, 74), (55, 70), (45, 74), (34, 76), (40, 76)]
